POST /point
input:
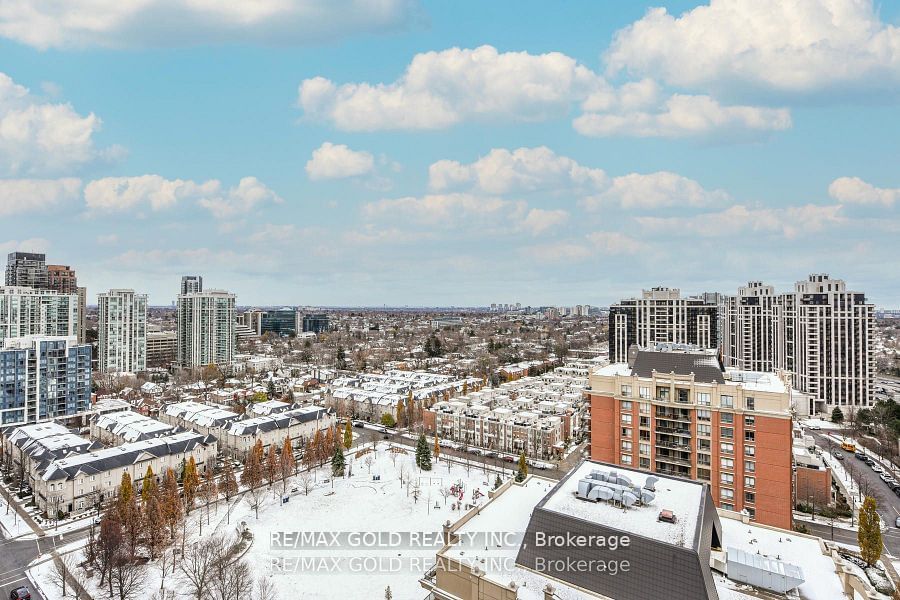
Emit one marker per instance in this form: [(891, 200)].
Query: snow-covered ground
[(355, 504), (11, 522), (819, 423)]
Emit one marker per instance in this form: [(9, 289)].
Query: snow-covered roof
[(681, 496)]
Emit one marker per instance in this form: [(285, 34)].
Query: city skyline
[(556, 158)]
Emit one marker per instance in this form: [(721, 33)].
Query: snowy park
[(383, 497)]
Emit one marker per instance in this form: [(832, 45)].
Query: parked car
[(357, 423), (897, 522), (861, 455), (839, 456), (877, 469), (815, 427), (20, 593)]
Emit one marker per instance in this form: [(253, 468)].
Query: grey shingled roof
[(705, 366)]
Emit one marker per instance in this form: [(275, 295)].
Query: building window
[(626, 418), (703, 398), (626, 446), (727, 494), (726, 401), (726, 418), (749, 436), (644, 448), (626, 432), (749, 403), (751, 512), (626, 459), (703, 429), (644, 392), (645, 463), (644, 408), (750, 467), (626, 390), (727, 506), (727, 463), (726, 432), (644, 422), (683, 395), (704, 415), (626, 405), (704, 445), (749, 497), (726, 478), (749, 421), (726, 448), (749, 481), (703, 474), (750, 450), (662, 393)]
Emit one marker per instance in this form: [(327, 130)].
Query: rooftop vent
[(667, 516)]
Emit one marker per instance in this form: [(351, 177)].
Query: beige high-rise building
[(205, 325)]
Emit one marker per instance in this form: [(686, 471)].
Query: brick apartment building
[(680, 413)]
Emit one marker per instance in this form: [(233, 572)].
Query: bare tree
[(368, 460), (416, 492), (306, 479), (230, 579), (265, 589), (254, 497), (127, 577), (198, 564), (63, 574), (445, 493)]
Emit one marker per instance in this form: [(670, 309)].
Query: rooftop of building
[(680, 496)]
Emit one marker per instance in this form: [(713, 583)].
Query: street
[(870, 484), (16, 554)]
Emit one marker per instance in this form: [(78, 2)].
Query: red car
[(21, 593)]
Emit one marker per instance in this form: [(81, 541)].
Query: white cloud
[(337, 161), (114, 23), (18, 196), (853, 190), (524, 169), (440, 89), (249, 193), (445, 209), (30, 245), (613, 242), (539, 220), (486, 214), (681, 116), (785, 45), (790, 222), (108, 239), (119, 194), (654, 190), (38, 137)]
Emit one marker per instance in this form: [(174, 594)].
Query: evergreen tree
[(523, 468), (498, 482), (148, 486), (423, 454), (348, 435), (837, 415), (190, 483), (337, 462), (270, 389), (388, 595), (869, 534)]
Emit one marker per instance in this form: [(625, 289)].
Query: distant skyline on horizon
[(416, 153)]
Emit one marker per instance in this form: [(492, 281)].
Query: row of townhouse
[(237, 433), (127, 426), (69, 474)]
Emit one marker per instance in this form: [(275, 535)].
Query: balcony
[(674, 460), (674, 446), (679, 431), (673, 416)]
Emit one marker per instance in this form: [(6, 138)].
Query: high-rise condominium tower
[(122, 331), (191, 284), (26, 269), (44, 377), (821, 333), (661, 315), (28, 311), (205, 322)]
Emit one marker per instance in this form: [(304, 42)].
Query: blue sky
[(430, 153)]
